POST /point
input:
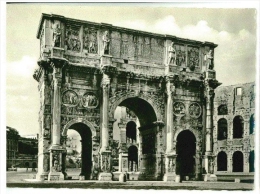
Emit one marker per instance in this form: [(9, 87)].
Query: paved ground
[(17, 180)]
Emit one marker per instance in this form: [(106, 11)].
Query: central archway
[(86, 148), (146, 114), (186, 150)]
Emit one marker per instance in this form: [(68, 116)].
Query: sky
[(233, 29)]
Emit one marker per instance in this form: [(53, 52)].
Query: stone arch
[(252, 161), (222, 161), (222, 109), (238, 126), (74, 121), (187, 155), (132, 158), (252, 124), (131, 131), (238, 161), (34, 165), (125, 96), (26, 164), (196, 133), (85, 129), (222, 129)]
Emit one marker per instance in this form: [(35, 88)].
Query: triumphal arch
[(88, 69)]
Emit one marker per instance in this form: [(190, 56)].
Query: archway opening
[(238, 162), (79, 150), (222, 161), (252, 161), (26, 164), (186, 149), (132, 158), (222, 129), (131, 132), (222, 109), (238, 127), (136, 127), (252, 124)]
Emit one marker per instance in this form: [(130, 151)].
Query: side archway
[(186, 151), (74, 121)]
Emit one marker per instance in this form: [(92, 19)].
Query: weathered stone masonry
[(87, 69)]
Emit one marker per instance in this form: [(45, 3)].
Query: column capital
[(105, 81), (170, 88)]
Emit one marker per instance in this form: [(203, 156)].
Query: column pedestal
[(210, 176), (105, 175), (56, 165), (170, 168)]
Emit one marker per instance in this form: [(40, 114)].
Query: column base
[(42, 176), (210, 178), (105, 176), (169, 177), (55, 176)]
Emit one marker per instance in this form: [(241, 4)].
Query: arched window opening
[(238, 127), (131, 132), (238, 162), (26, 164), (222, 161), (132, 159), (222, 129), (252, 124), (252, 161), (222, 109)]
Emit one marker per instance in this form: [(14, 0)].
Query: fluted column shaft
[(105, 130), (57, 75)]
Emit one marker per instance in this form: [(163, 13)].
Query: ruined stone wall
[(229, 104)]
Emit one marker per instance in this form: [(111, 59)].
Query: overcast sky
[(233, 29)]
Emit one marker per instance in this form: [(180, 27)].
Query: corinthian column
[(170, 159), (209, 158), (57, 76), (56, 149), (105, 131), (105, 151)]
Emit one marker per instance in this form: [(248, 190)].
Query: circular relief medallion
[(178, 108), (90, 100), (194, 110), (70, 98)]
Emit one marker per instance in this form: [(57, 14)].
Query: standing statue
[(209, 60), (106, 41), (171, 54), (56, 35)]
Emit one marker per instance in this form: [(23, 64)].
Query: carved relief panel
[(70, 98), (179, 109), (180, 55), (193, 58), (90, 44), (72, 38), (195, 110), (115, 44)]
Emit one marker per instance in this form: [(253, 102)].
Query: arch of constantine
[(86, 70)]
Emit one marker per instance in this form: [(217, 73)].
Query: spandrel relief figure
[(106, 42), (209, 60), (171, 54)]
